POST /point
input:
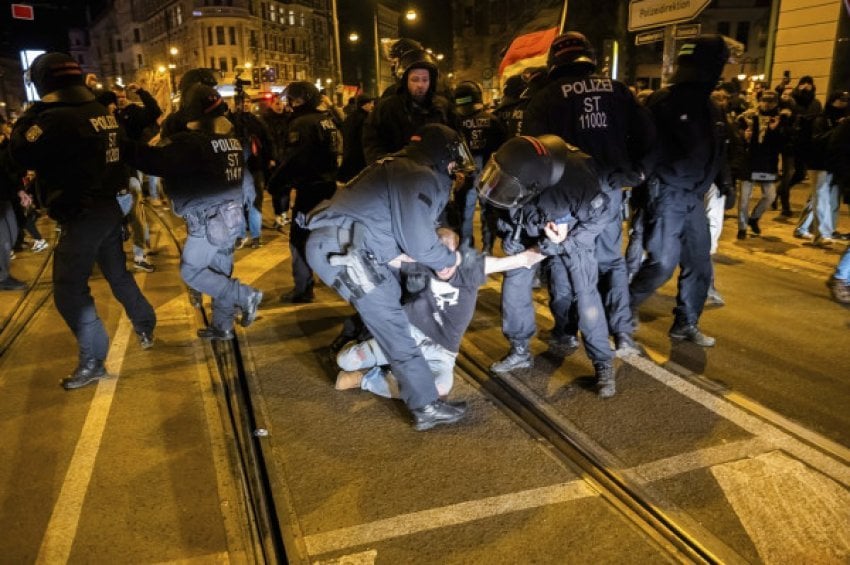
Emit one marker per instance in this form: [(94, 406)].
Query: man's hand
[(133, 87), (449, 272), (531, 257), (556, 233), (26, 199), (91, 80), (403, 258)]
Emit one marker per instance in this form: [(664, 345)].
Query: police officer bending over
[(556, 203), (391, 209), (203, 168), (72, 142)]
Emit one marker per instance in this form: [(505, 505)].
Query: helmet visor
[(462, 156), (499, 188)]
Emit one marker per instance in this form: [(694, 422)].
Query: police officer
[(204, 168), (391, 209), (508, 110), (484, 133), (415, 103), (310, 166), (72, 142), (684, 162), (556, 203), (602, 118), (176, 121)]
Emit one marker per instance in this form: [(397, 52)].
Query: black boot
[(519, 357), (563, 346), (437, 413), (690, 332), (215, 334), (86, 372), (249, 310), (605, 385)]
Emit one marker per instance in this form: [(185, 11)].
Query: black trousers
[(94, 236)]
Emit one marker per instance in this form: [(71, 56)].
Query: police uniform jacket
[(353, 159), (397, 200), (598, 115), (576, 200), (312, 146), (203, 169), (484, 133), (687, 154), (75, 149), (510, 112), (396, 118)]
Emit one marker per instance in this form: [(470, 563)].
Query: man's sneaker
[(714, 297), (215, 334), (252, 304), (85, 373), (801, 234), (691, 332), (143, 265), (606, 386), (840, 289), (293, 297), (437, 413), (624, 345), (256, 243), (742, 234), (519, 357), (39, 245), (786, 213), (11, 283), (145, 339), (563, 346), (754, 225), (280, 221), (346, 380), (12, 254), (824, 241)]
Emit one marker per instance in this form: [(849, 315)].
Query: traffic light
[(255, 77)]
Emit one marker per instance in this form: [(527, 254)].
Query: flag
[(529, 50), (847, 5)]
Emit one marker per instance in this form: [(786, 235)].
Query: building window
[(140, 61), (178, 14), (265, 41), (222, 64), (723, 28), (81, 60), (292, 17), (743, 33), (121, 65), (219, 35), (209, 35), (232, 32), (233, 63), (212, 62), (119, 45), (137, 35), (301, 19), (273, 12)]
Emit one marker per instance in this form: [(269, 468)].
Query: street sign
[(648, 37), (646, 14), (687, 31), (23, 12)]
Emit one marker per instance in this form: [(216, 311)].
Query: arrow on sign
[(645, 14)]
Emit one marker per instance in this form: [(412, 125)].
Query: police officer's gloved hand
[(512, 246)]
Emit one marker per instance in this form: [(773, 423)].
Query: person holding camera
[(765, 130)]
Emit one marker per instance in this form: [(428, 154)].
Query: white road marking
[(361, 558), (455, 514), (62, 527), (791, 513), (219, 558)]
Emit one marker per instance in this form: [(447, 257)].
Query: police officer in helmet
[(73, 144), (390, 209), (601, 117), (204, 168), (555, 202), (684, 162)]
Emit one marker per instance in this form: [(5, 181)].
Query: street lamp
[(172, 51), (411, 15), (353, 37)]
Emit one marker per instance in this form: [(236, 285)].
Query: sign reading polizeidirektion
[(645, 14)]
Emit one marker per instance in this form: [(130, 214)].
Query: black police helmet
[(440, 145), (701, 60), (571, 49), (304, 91), (417, 59), (196, 76), (401, 46), (468, 97), (521, 168), (514, 85), (51, 72), (203, 101)]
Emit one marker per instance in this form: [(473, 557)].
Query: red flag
[(847, 5), (528, 46)]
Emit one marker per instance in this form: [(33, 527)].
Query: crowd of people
[(380, 198)]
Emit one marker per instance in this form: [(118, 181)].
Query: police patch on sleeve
[(33, 133), (293, 138)]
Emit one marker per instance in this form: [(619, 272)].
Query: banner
[(529, 50)]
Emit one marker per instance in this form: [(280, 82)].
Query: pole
[(336, 43), (377, 47), (563, 17), (669, 56), (769, 52)]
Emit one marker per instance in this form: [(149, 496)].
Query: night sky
[(49, 30)]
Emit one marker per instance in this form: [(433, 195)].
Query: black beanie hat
[(196, 76), (106, 97), (806, 79), (363, 99), (514, 86), (701, 60), (53, 71)]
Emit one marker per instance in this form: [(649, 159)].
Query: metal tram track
[(28, 305), (239, 416), (683, 538)]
